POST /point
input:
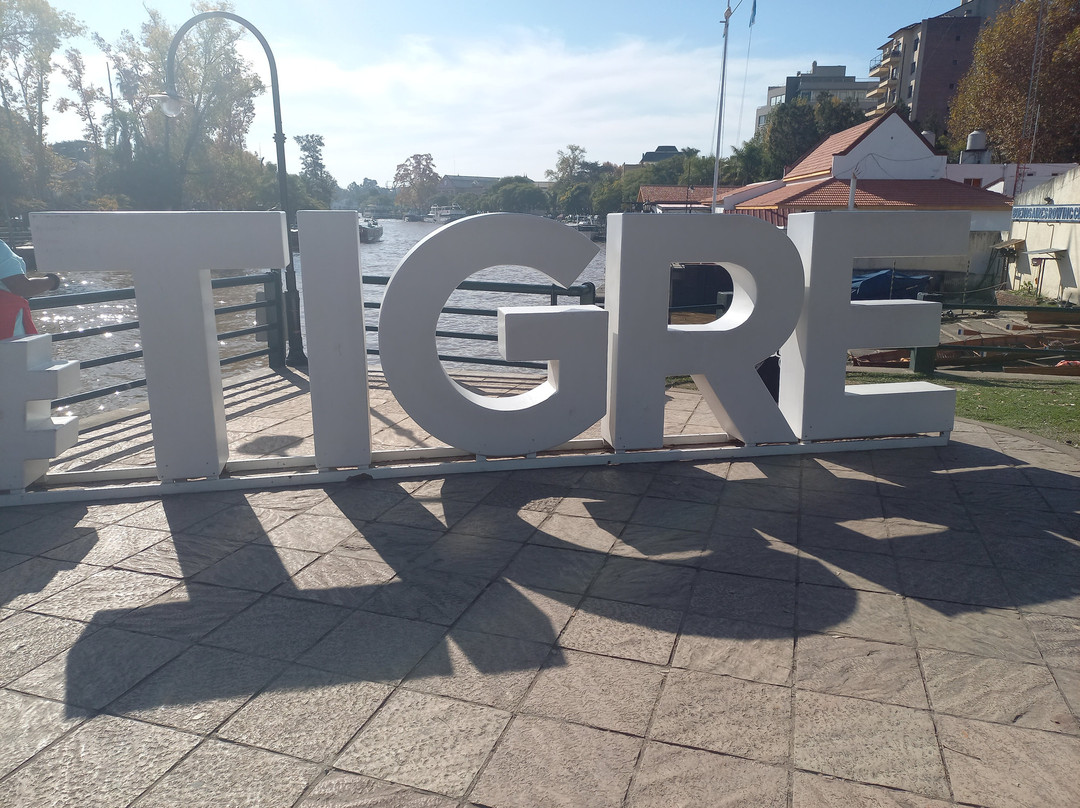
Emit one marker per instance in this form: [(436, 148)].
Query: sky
[(498, 88)]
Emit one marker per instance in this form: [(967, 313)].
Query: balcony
[(879, 65)]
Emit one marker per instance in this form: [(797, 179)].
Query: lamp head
[(171, 105)]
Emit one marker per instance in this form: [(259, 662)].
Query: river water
[(380, 258)]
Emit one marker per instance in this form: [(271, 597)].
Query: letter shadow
[(386, 581)]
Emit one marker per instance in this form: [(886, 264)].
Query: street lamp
[(172, 103)]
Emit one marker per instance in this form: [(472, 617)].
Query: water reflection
[(380, 258)]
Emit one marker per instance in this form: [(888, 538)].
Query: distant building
[(658, 154), (821, 79), (676, 198), (921, 64), (453, 184)]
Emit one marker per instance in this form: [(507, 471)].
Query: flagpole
[(720, 111)]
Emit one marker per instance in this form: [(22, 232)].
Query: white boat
[(370, 230), (441, 214)]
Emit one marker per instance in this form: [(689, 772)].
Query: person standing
[(15, 288)]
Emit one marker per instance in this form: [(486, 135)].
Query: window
[(975, 182), (952, 86), (955, 61), (958, 37), (913, 68), (911, 89), (915, 45)]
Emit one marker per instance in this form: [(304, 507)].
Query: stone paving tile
[(1044, 592), (603, 692), (359, 502), (553, 568), (256, 567), (306, 713), (35, 580), (669, 545), (220, 773), (723, 714), (29, 724), (44, 534), (198, 690), (624, 630), (736, 648), (755, 495), (995, 690), (864, 535), (106, 546), (179, 556), (515, 493), (425, 741), (847, 666), (463, 554), (277, 627), (28, 639), (374, 647), (851, 613), (577, 533), (951, 545), (512, 610), (1059, 639), (98, 668), (396, 545), (659, 512), (497, 522), (863, 740), (873, 572), (107, 761), (959, 583), (8, 560), (744, 522), (647, 583), (239, 523), (686, 488), (985, 632), (751, 554), (339, 579), (187, 612), (427, 595), (480, 668), (552, 763), (1069, 682), (601, 506), (427, 512), (671, 775), (307, 531), (742, 597), (617, 479), (460, 487), (347, 790), (995, 765), (820, 791), (105, 595)]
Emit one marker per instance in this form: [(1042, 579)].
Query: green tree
[(516, 195), (994, 94), (790, 133), (218, 86), (31, 31), (88, 97), (831, 115), (415, 181), (320, 183)]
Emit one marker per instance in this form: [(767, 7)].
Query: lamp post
[(171, 105)]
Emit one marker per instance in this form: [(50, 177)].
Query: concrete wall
[(1055, 279)]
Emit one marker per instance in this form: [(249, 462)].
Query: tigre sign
[(791, 292)]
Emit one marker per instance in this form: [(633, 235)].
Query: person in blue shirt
[(15, 288)]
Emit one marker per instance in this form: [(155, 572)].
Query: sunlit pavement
[(880, 628)]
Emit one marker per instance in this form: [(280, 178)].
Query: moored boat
[(370, 230), (441, 214)]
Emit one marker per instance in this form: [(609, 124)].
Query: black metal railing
[(272, 326)]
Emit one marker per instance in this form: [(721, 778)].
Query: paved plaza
[(886, 628)]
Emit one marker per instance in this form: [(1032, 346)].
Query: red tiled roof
[(819, 160), (678, 193), (832, 194)]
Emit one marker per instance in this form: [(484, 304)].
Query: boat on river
[(440, 214), (370, 230)]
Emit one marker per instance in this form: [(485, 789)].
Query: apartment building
[(921, 64), (821, 79)]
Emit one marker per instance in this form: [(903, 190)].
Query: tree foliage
[(415, 181), (320, 182), (993, 95)]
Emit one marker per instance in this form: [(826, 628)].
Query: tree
[(993, 95), (831, 115), (30, 33), (516, 195), (790, 132), (320, 183), (87, 97), (415, 181)]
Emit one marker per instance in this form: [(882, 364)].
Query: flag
[(753, 13)]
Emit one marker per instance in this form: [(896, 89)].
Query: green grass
[(1049, 408)]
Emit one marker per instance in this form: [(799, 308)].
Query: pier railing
[(272, 325)]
